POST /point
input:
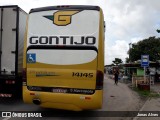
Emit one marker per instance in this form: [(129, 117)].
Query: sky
[(127, 21)]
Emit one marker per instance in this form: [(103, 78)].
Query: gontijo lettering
[(55, 40)]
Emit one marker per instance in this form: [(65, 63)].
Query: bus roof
[(82, 7)]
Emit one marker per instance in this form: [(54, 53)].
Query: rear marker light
[(63, 6), (87, 98), (32, 93), (6, 82), (13, 82), (10, 82)]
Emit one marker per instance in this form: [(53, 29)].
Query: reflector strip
[(5, 95), (24, 83)]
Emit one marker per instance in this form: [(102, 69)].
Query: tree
[(117, 61), (150, 46), (127, 60), (158, 30)]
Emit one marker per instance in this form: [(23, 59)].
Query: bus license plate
[(59, 90)]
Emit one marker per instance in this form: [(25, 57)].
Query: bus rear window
[(63, 57)]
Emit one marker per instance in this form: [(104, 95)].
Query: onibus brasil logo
[(62, 18)]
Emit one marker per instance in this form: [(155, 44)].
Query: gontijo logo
[(62, 18)]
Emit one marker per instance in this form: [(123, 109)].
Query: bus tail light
[(24, 75), (10, 82), (99, 80)]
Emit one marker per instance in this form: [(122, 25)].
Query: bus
[(63, 65)]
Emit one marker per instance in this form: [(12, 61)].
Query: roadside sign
[(144, 60)]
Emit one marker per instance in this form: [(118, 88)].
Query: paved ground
[(156, 87), (152, 105), (120, 98)]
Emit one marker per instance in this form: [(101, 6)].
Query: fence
[(142, 80)]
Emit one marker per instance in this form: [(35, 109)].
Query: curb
[(136, 118)]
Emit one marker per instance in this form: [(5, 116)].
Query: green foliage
[(150, 46), (127, 60), (158, 30), (117, 61), (145, 93)]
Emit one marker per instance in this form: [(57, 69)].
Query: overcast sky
[(127, 21)]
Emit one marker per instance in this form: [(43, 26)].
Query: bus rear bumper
[(75, 102)]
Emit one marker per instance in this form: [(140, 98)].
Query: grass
[(146, 93)]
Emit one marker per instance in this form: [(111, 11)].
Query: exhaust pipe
[(36, 101)]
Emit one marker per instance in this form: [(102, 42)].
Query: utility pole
[(130, 44)]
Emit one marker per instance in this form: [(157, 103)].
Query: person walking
[(116, 74), (156, 77)]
